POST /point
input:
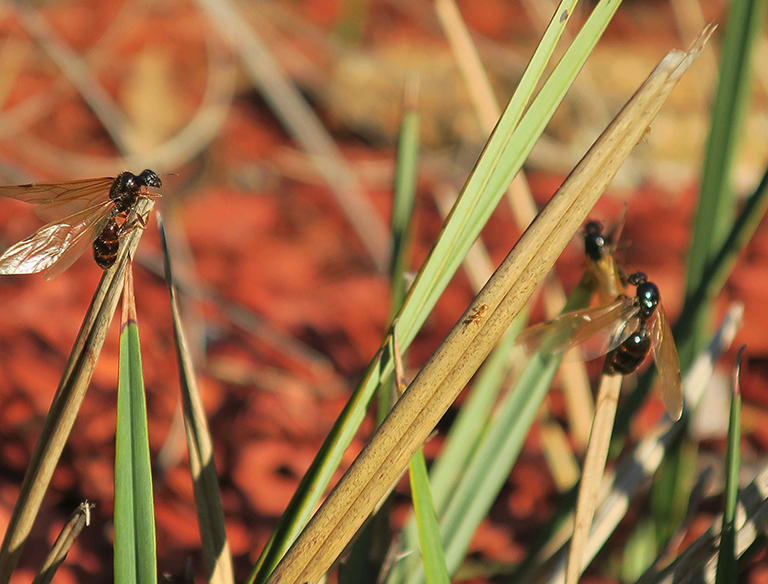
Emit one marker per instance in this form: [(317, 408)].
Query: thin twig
[(594, 465), (302, 123)]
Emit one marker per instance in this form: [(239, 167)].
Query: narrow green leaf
[(66, 401), (404, 195), (487, 471), (726, 559), (501, 160), (135, 554), (432, 554), (402, 229), (716, 202), (367, 556)]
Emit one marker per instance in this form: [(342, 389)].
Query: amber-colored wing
[(55, 200), (55, 246), (613, 236), (607, 278), (607, 325), (668, 364)]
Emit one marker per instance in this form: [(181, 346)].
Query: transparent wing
[(55, 246), (665, 355), (608, 326), (55, 200), (613, 236), (607, 278)]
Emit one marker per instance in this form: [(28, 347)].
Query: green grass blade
[(135, 554), (368, 553), (66, 402), (487, 471), (726, 559), (500, 161), (432, 554), (471, 422), (716, 202), (210, 514), (404, 195)]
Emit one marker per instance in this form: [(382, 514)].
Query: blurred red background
[(295, 306)]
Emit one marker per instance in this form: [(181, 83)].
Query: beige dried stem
[(80, 518), (67, 400), (594, 466), (599, 441), (452, 365)]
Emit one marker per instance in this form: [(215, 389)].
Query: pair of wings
[(603, 329), (77, 211)]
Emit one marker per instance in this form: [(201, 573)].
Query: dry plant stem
[(66, 402), (557, 452), (635, 470), (302, 123), (81, 517), (176, 151), (75, 69), (578, 394), (467, 345), (592, 476), (218, 557)]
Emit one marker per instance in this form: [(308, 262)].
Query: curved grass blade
[(501, 160), (726, 558), (81, 517), (210, 515), (135, 553), (67, 400), (715, 213)]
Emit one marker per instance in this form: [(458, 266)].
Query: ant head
[(593, 227), (594, 241), (149, 178), (647, 294)]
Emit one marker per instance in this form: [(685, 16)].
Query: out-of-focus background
[(274, 126)]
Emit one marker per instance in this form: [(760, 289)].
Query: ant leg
[(139, 221)]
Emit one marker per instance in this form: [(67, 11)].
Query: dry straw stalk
[(452, 365)]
